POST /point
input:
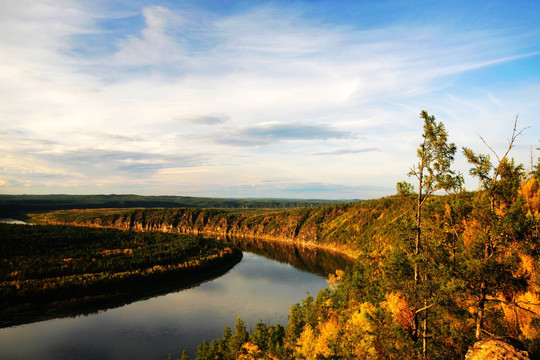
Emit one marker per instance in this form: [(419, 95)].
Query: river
[(263, 285)]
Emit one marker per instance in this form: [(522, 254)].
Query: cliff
[(503, 348), (335, 227)]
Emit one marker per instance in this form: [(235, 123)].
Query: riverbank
[(350, 229), (55, 271)]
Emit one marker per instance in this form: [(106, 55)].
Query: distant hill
[(16, 205)]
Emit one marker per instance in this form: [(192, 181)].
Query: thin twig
[(490, 148)]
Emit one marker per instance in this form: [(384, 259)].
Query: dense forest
[(18, 205), (48, 270), (350, 228)]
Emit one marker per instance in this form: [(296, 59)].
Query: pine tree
[(433, 173), (238, 339)]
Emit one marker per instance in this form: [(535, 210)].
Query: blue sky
[(289, 99)]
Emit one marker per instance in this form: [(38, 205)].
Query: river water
[(263, 285)]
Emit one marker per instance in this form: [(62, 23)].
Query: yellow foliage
[(447, 211), (501, 210), (311, 345), (528, 266), (397, 305), (530, 301), (359, 332), (333, 279), (250, 351), (531, 193), (306, 343), (473, 231), (328, 337)]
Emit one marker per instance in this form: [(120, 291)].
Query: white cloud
[(155, 45), (237, 74)]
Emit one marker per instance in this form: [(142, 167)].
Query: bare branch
[(528, 310), (424, 309), (511, 141), (531, 155), (514, 137), (490, 148)]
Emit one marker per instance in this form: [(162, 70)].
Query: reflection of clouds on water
[(212, 286), (13, 221)]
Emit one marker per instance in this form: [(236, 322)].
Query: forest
[(47, 270), (18, 205), (437, 267)]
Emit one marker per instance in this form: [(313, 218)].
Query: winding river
[(263, 285)]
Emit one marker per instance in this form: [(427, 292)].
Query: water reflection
[(13, 221), (151, 329), (269, 279), (305, 258)]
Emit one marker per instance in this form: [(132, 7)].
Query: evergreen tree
[(259, 336), (238, 339), (433, 173), (185, 356), (223, 343), (203, 351)]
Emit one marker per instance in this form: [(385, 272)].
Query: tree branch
[(528, 310), (424, 308), (490, 148)]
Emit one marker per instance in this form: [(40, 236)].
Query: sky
[(257, 99)]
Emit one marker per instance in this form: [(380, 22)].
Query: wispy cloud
[(98, 160), (348, 151), (173, 87), (277, 132), (202, 120)]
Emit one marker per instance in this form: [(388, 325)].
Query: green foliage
[(238, 338), (435, 157), (404, 188), (16, 205), (53, 264)]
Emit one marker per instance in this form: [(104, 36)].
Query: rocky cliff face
[(498, 349), (351, 229), (304, 226), (210, 222)]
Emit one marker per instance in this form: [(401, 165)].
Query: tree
[(404, 188), (433, 173), (238, 339), (259, 336), (488, 234), (203, 351)]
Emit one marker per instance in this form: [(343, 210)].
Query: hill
[(17, 205), (351, 228)]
